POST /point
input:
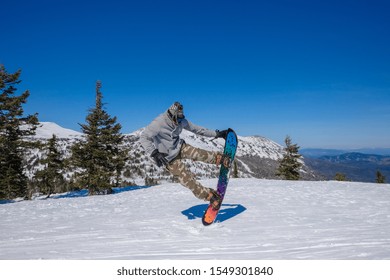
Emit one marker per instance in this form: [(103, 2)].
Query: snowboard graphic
[(230, 149)]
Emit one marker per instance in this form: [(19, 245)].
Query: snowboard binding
[(225, 160), (215, 200)]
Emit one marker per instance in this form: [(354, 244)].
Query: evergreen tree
[(290, 165), (340, 177), (14, 127), (380, 178), (100, 158), (50, 177)]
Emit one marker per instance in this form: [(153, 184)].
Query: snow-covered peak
[(47, 129), (136, 133), (259, 146)]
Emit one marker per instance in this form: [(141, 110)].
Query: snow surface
[(259, 219)]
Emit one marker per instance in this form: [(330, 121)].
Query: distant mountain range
[(317, 153), (357, 166)]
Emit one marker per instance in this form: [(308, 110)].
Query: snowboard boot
[(224, 160), (215, 199)]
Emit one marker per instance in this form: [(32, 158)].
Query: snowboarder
[(161, 140)]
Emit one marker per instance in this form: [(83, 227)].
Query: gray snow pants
[(177, 168)]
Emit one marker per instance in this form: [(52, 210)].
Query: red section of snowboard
[(209, 215)]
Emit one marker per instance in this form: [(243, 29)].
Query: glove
[(159, 158), (221, 134)]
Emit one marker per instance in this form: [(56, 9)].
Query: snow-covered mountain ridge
[(256, 156), (250, 146)]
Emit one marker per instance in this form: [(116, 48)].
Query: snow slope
[(260, 219)]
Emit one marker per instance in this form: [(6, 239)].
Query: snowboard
[(230, 149)]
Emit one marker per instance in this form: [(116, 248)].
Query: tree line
[(96, 161)]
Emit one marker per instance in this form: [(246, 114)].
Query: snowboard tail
[(223, 179)]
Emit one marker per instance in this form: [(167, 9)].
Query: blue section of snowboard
[(230, 150)]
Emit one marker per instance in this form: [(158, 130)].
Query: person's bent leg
[(186, 178), (190, 152)]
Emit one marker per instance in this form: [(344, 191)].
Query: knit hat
[(175, 112)]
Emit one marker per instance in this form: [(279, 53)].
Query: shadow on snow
[(6, 201), (84, 193), (226, 212), (81, 193)]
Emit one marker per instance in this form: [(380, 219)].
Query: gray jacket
[(163, 134)]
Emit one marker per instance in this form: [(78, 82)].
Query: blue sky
[(318, 71)]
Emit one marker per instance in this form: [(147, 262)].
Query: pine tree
[(380, 178), (50, 177), (14, 127), (290, 165), (340, 177), (100, 157)]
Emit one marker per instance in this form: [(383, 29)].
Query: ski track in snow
[(259, 219)]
